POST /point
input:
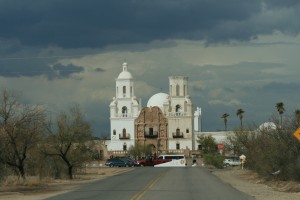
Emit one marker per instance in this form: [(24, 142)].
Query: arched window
[(124, 132), (177, 90), (114, 132), (131, 91), (124, 111), (178, 109), (124, 91), (124, 147)]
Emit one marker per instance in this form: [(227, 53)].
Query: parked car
[(231, 161), (131, 161), (117, 162)]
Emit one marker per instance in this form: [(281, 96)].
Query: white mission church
[(167, 123)]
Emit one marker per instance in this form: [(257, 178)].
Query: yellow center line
[(139, 195)]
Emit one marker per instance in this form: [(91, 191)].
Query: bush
[(270, 150), (215, 160)]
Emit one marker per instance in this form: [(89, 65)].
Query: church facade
[(168, 122)]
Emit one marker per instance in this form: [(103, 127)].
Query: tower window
[(178, 109), (124, 111), (187, 130), (177, 90), (124, 91), (114, 132)]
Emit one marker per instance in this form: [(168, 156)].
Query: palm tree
[(240, 113), (280, 109), (224, 116), (297, 116)]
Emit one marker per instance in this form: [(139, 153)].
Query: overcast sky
[(236, 53)]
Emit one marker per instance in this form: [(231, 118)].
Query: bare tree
[(21, 129), (68, 139)]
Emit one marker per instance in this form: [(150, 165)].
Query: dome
[(267, 126), (125, 74), (158, 100)]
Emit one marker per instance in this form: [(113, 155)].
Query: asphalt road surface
[(172, 183)]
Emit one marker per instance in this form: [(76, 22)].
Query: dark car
[(117, 162), (131, 161)]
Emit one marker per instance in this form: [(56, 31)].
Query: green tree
[(139, 151), (68, 139), (21, 130), (240, 113), (208, 143), (280, 109), (225, 116)]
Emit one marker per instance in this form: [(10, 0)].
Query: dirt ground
[(249, 183), (242, 179)]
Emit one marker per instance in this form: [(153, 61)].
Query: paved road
[(157, 183)]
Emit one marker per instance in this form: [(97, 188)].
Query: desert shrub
[(3, 172), (270, 150), (215, 160)]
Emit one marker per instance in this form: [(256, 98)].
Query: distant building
[(168, 123)]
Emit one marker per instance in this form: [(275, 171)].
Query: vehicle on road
[(117, 162), (131, 161), (231, 161), (176, 160)]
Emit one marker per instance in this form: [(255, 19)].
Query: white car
[(231, 162)]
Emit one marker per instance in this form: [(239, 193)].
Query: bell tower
[(124, 109)]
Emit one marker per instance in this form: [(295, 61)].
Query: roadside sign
[(297, 133), (220, 146)]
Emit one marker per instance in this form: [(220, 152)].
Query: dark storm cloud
[(94, 23), (281, 87), (19, 68), (280, 3), (67, 70), (99, 70)]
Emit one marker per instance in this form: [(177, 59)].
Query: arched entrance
[(153, 149)]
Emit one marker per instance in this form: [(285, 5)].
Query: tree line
[(271, 149), (240, 114), (32, 143)]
